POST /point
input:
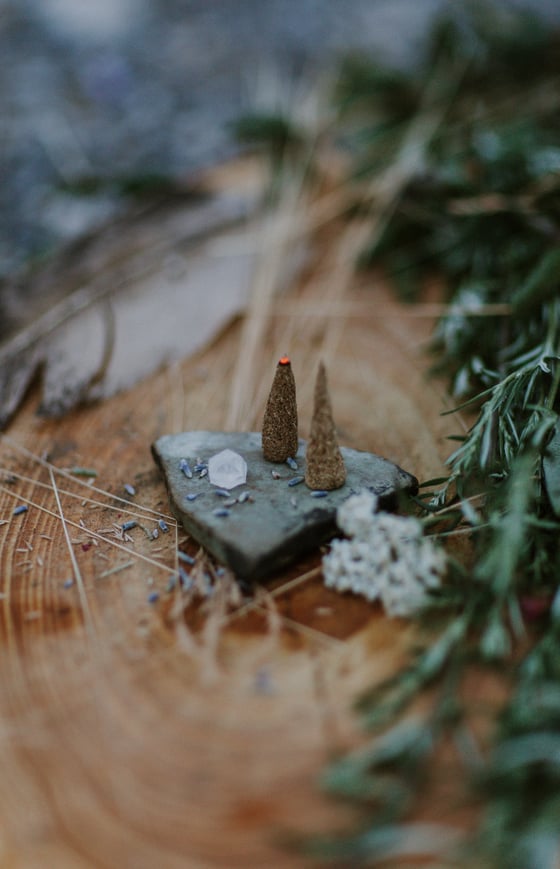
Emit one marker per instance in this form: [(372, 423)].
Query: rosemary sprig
[(481, 209), (484, 216)]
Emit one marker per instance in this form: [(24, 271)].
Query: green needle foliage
[(481, 209), (484, 213)]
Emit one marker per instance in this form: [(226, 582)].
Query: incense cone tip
[(279, 431)]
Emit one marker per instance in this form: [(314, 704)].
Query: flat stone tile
[(279, 523)]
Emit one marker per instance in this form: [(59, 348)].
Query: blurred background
[(99, 101)]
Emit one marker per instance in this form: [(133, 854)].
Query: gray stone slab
[(280, 522)]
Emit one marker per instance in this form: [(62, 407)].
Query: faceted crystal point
[(227, 469)]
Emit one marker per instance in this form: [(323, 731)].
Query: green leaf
[(270, 130), (541, 285), (551, 470)]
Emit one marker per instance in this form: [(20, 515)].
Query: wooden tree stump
[(160, 733)]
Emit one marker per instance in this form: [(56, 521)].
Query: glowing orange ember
[(284, 360)]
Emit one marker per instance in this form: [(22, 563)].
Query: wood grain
[(172, 734)]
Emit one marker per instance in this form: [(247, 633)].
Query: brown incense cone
[(324, 463), (280, 424)]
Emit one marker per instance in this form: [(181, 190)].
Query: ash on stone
[(266, 533), (227, 470)]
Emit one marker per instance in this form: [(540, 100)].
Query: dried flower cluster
[(387, 557)]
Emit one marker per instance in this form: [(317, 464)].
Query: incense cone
[(280, 424), (324, 463)]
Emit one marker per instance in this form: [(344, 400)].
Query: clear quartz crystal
[(227, 469)]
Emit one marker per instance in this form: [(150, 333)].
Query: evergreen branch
[(481, 210)]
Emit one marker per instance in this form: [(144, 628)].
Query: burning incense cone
[(324, 463), (280, 424)]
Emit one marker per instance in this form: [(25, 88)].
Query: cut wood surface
[(183, 732)]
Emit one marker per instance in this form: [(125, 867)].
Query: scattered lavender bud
[(130, 490), (292, 463), (192, 496), (319, 493), (185, 558), (185, 468), (184, 578), (221, 512), (245, 496), (69, 583), (127, 526), (200, 466), (208, 589), (295, 481), (186, 581), (263, 681), (83, 472), (203, 473), (163, 526), (23, 508), (153, 597), (223, 493), (155, 534)]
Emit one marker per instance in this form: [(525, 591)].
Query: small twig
[(340, 308), (77, 573), (312, 633), (45, 464), (253, 604), (145, 558), (116, 569), (458, 532)]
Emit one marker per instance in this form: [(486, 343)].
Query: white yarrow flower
[(387, 557), (355, 514)]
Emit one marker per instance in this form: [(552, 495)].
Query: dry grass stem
[(276, 247), (351, 308), (88, 531), (75, 566), (84, 501), (80, 482)]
